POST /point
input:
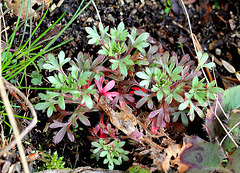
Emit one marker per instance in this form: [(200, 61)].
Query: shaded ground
[(217, 31)]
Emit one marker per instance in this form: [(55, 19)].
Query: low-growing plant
[(168, 6), (137, 169), (52, 161), (169, 86), (113, 152), (72, 88)]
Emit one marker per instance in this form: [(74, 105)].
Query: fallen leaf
[(186, 2), (173, 157), (229, 67), (121, 120), (16, 7)]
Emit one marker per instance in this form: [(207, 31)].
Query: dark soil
[(210, 26)]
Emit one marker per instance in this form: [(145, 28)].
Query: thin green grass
[(10, 71)]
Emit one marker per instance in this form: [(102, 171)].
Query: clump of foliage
[(113, 152), (210, 156), (52, 161), (168, 87), (137, 169), (73, 88), (128, 72)]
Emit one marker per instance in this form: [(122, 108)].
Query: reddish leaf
[(59, 136), (70, 135), (141, 101), (104, 91), (83, 119), (153, 114), (57, 124), (135, 135), (109, 86), (154, 127), (110, 95)]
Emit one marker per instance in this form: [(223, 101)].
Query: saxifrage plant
[(127, 72), (113, 152)]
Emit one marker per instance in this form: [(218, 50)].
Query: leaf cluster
[(177, 89), (71, 87), (52, 161), (168, 86), (115, 47), (113, 153)]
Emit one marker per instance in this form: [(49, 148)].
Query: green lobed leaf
[(49, 67), (211, 84), (105, 161), (103, 51), (87, 100), (93, 34), (166, 90), (115, 63), (195, 82), (154, 88), (123, 69), (144, 83), (61, 102), (96, 150), (74, 72), (141, 42), (143, 75), (159, 95), (127, 60), (183, 105), (209, 65), (133, 35), (204, 58), (103, 153), (216, 90), (50, 110), (177, 97), (96, 144), (176, 77), (177, 70), (42, 106), (169, 99)]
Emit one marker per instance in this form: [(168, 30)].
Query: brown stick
[(31, 125)]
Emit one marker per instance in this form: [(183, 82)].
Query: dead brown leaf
[(123, 120), (165, 158), (198, 45), (182, 167), (186, 2), (16, 7)]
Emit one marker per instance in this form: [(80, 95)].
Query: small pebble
[(218, 52)]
